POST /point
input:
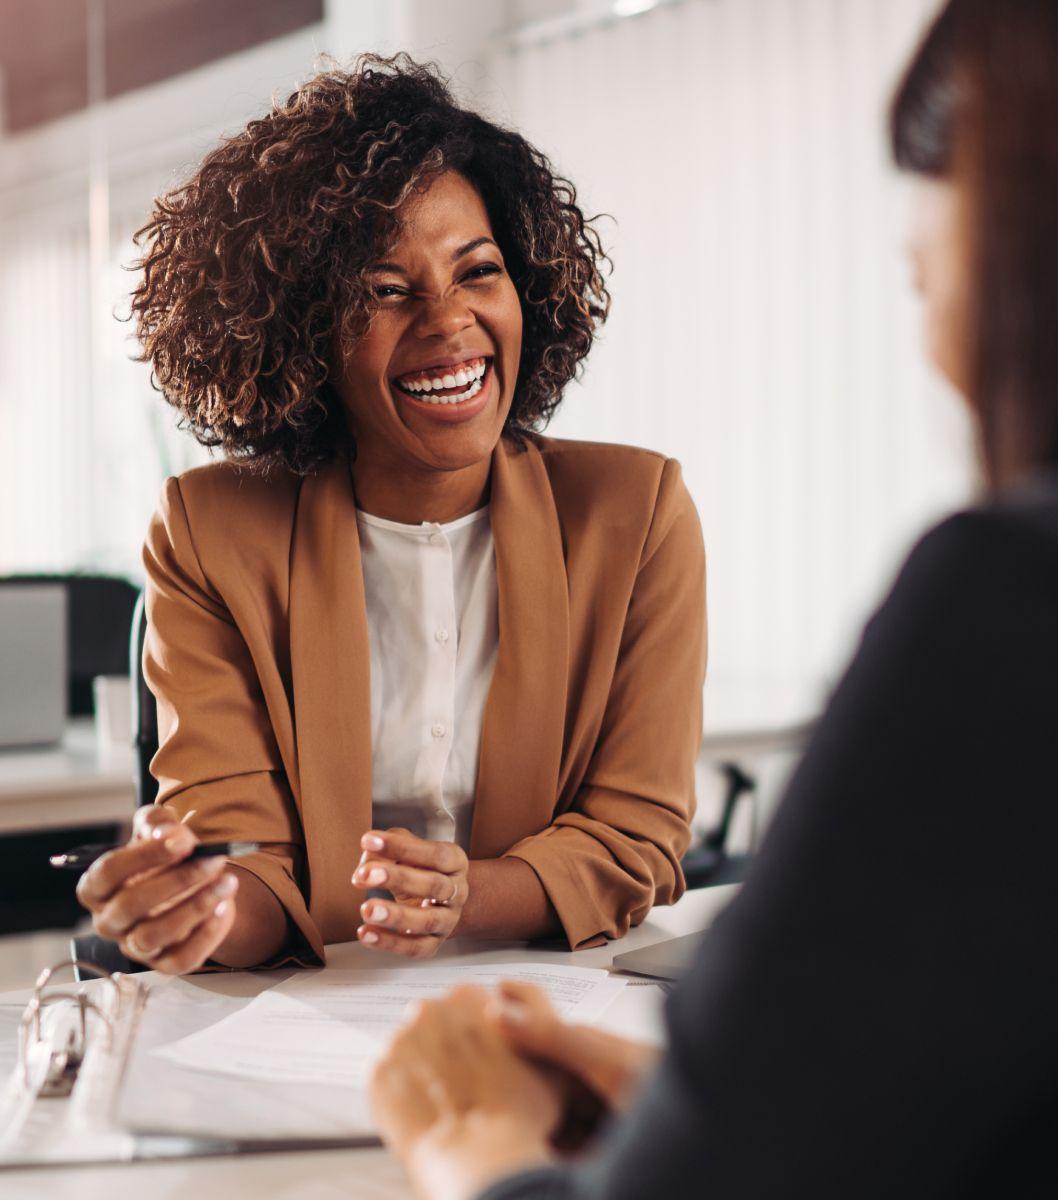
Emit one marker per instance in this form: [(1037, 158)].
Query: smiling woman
[(271, 261), (443, 287), (446, 671)]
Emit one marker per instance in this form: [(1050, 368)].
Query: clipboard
[(83, 1086)]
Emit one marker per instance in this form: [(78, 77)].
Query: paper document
[(330, 1027)]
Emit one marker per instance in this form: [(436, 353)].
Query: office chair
[(144, 710), (709, 864), (91, 948)]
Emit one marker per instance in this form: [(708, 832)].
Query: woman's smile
[(452, 389)]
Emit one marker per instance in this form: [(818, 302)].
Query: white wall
[(763, 328)]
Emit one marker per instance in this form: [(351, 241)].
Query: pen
[(81, 857)]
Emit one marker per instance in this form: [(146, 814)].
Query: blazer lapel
[(522, 733), (330, 663)]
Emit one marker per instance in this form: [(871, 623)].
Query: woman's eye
[(386, 291), (482, 271)]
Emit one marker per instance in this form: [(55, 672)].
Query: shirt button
[(441, 635), (438, 730)]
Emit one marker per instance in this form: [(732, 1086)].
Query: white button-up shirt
[(433, 628)]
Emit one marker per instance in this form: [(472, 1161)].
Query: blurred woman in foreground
[(874, 1015)]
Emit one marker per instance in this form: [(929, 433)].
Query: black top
[(876, 1014)]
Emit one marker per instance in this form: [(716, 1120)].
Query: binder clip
[(66, 1057)]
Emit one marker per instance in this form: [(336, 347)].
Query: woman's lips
[(450, 412), (445, 381)]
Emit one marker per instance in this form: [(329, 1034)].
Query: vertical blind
[(86, 441), (763, 328), (45, 417)]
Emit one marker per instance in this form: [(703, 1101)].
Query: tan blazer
[(257, 651)]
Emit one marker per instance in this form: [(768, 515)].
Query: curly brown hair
[(255, 269)]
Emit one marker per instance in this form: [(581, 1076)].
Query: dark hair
[(923, 110), (254, 269), (977, 102)]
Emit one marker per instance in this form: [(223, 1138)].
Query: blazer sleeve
[(217, 752), (616, 852), (873, 1016)]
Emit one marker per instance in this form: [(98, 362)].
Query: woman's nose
[(444, 317)]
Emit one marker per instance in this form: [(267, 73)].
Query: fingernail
[(181, 839), (157, 832), (369, 936), (227, 885), (377, 912), (376, 875), (371, 841), (222, 908), (142, 951), (358, 876)]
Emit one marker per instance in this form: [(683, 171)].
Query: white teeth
[(473, 390), (466, 374)]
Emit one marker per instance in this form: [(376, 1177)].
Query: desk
[(68, 785), (351, 1174)]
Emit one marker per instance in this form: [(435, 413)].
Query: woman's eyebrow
[(481, 241), (457, 254)]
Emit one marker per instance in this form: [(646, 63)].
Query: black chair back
[(144, 710), (91, 948)]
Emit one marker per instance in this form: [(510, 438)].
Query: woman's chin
[(455, 435)]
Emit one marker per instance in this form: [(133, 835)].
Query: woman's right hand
[(162, 911), (612, 1068)]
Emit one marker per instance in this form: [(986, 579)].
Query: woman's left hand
[(457, 1104), (428, 881)]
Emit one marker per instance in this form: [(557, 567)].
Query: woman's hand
[(457, 1104), (161, 910), (428, 881), (612, 1068)]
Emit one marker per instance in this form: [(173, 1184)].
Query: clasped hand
[(428, 882), (477, 1086)]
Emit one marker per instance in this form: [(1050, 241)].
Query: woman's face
[(430, 384), (937, 247)]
